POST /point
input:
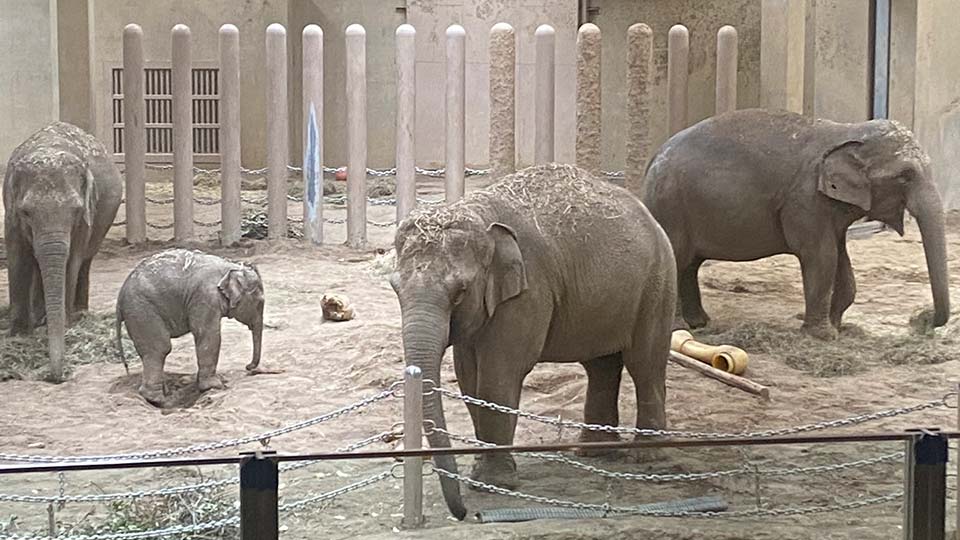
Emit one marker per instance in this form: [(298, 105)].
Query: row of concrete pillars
[(503, 55)]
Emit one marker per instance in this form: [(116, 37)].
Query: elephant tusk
[(723, 357)]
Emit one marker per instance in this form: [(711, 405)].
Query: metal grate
[(159, 112)]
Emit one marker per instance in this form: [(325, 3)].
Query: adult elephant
[(753, 183), (61, 192), (547, 265)]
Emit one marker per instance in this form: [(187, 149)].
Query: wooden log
[(726, 378)]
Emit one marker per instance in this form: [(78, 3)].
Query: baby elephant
[(178, 291)]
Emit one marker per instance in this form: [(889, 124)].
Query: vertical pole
[(259, 482), (639, 80), (412, 437), (406, 118), (956, 456), (678, 52), (455, 102), (503, 63), (545, 99), (356, 136), (726, 70), (182, 86), (925, 493), (229, 135), (312, 40), (881, 62), (588, 98), (277, 131), (134, 135)]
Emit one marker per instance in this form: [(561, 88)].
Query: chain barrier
[(297, 505), (198, 448), (608, 509), (817, 426)]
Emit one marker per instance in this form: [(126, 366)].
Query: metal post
[(412, 437), (639, 83), (925, 486), (229, 135), (456, 102), (182, 90), (259, 482), (588, 98), (545, 100), (312, 41), (406, 118), (134, 135), (726, 91), (503, 63), (277, 132), (678, 52), (956, 456), (881, 62), (356, 45)]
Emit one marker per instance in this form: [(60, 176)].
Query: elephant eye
[(458, 296)]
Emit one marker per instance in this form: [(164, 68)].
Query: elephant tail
[(119, 328)]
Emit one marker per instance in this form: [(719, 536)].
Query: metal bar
[(333, 456), (925, 489), (881, 59), (259, 482), (412, 440)]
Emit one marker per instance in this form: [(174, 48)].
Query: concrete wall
[(837, 60), (703, 19), (28, 70)]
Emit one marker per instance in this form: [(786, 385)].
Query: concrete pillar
[(545, 100), (678, 57), (455, 111), (406, 118), (278, 147), (588, 98), (134, 135), (782, 35), (356, 45), (726, 70), (229, 135), (838, 68), (639, 98), (312, 43), (182, 90), (503, 65)]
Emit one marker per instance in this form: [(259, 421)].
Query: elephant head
[(878, 167), (241, 298), (53, 203), (453, 271)]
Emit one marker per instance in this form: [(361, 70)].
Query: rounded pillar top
[(229, 30), (133, 28), (727, 31), (544, 30), (276, 29), (406, 30), (312, 30), (641, 28), (678, 30), (501, 27), (181, 30), (455, 30), (356, 30), (589, 28)]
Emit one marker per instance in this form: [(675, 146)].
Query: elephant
[(178, 291), (548, 264), (753, 183), (61, 192)]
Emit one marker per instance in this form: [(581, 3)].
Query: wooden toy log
[(726, 378)]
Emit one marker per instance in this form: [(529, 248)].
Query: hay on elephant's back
[(90, 340)]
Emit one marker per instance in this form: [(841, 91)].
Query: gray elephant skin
[(181, 291), (753, 183), (61, 192), (547, 265)]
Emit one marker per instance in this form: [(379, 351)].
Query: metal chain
[(818, 426), (198, 448), (158, 533), (296, 505)]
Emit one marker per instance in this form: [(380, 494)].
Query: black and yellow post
[(259, 480)]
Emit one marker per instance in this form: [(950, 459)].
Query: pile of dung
[(88, 341)]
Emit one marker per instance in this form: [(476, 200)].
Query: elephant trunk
[(425, 338), (256, 329), (923, 202), (51, 251)]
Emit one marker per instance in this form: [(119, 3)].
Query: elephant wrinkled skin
[(754, 183), (61, 192), (547, 265), (179, 291)]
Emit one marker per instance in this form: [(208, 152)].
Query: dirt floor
[(880, 362)]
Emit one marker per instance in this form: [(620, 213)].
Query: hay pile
[(88, 341), (254, 225)]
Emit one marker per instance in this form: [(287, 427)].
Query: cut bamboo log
[(726, 378)]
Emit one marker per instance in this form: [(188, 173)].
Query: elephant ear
[(507, 275), (843, 175), (89, 191), (231, 287)]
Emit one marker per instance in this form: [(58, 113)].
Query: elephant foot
[(822, 331), (589, 436), (212, 382), (21, 329), (154, 395), (646, 455), (697, 319), (500, 471)]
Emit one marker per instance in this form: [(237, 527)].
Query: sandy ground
[(324, 366)]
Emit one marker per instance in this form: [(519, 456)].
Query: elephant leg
[(20, 266), (152, 341), (72, 277), (688, 287), (82, 298), (844, 286), (602, 403), (819, 267), (646, 362), (207, 342), (465, 366)]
